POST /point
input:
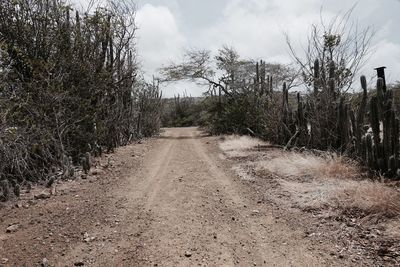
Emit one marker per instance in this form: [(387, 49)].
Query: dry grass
[(235, 142), (370, 197), (339, 167), (296, 164), (315, 181), (239, 146)]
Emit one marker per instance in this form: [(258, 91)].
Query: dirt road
[(171, 201)]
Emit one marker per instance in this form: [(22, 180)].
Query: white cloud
[(386, 54), (159, 38), (255, 28), (159, 41)]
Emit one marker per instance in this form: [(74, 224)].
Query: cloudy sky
[(256, 29)]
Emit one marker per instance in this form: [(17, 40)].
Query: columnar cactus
[(395, 135), (316, 75), (257, 78), (392, 165), (271, 88), (262, 78), (374, 119), (369, 151), (386, 120), (4, 190), (385, 129), (332, 69), (343, 124), (285, 99), (331, 80), (302, 123), (285, 112), (329, 114), (358, 129)]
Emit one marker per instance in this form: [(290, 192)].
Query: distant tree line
[(69, 84), (184, 111), (232, 95)]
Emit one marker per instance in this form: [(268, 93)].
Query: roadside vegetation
[(313, 103), (315, 148), (70, 88)]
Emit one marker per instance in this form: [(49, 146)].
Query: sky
[(255, 28)]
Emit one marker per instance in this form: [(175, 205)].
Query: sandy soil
[(169, 201)]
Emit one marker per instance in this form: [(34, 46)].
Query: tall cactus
[(369, 149), (395, 135), (385, 149), (386, 121), (262, 78), (302, 123), (257, 79), (343, 124), (395, 144), (285, 114), (285, 99), (316, 76), (374, 119), (301, 120), (375, 125), (358, 129), (331, 80), (380, 90), (271, 87)]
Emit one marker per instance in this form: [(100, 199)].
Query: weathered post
[(381, 74)]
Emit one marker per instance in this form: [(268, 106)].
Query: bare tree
[(240, 90), (197, 66), (226, 72), (339, 43)]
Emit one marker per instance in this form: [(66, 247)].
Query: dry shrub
[(330, 179), (339, 167), (289, 164), (292, 164), (370, 197)]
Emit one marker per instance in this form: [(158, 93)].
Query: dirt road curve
[(171, 201)]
